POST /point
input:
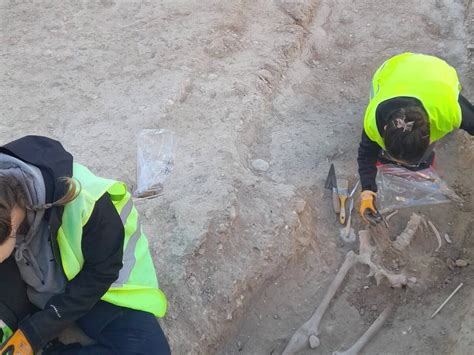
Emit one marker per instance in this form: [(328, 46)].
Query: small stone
[(239, 345), (461, 263), (300, 205), (362, 311), (260, 164), (373, 308), (276, 316), (412, 279), (314, 341), (366, 287)]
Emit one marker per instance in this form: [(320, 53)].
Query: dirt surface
[(243, 250)]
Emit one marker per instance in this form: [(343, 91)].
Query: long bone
[(369, 333), (300, 339), (308, 333), (310, 329)]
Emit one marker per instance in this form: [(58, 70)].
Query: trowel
[(331, 184)]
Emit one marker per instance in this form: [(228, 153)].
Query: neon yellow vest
[(137, 285), (429, 79)]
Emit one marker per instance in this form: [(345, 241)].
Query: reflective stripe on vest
[(136, 286), (6, 332), (429, 79)]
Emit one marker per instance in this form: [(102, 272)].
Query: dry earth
[(244, 254)]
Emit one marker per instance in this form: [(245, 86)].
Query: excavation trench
[(315, 117), (261, 96)]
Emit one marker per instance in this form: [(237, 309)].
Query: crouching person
[(72, 249)]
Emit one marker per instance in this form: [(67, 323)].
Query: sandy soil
[(244, 254)]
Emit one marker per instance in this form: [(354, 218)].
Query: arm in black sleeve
[(102, 247), (367, 160), (467, 110)]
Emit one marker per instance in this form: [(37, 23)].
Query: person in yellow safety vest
[(72, 250), (415, 101)]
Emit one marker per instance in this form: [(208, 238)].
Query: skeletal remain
[(369, 333), (310, 329), (404, 239), (448, 240), (308, 333), (438, 236), (391, 215)]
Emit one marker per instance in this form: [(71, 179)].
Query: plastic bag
[(155, 160), (399, 187)]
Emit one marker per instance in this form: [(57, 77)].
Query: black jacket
[(369, 150), (102, 242)]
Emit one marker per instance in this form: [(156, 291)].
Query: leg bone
[(300, 339), (365, 338)]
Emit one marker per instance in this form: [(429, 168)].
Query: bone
[(391, 215), (307, 334), (300, 339), (447, 238), (367, 336), (438, 236), (405, 238)]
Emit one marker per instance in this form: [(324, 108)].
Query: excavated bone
[(438, 236), (365, 338), (447, 238), (391, 215), (300, 339), (405, 238), (308, 333)]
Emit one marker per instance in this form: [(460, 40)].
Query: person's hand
[(367, 210), (17, 344)]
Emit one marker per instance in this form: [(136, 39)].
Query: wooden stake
[(447, 300)]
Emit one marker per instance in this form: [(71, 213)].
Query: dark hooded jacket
[(102, 242)]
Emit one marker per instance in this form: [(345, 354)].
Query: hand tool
[(342, 187), (375, 218), (331, 184), (351, 206)]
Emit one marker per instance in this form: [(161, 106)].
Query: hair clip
[(400, 123)]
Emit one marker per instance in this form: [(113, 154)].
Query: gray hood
[(33, 252)]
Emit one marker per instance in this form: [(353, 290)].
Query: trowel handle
[(342, 215)]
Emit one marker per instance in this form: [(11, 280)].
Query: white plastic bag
[(155, 160), (399, 187)]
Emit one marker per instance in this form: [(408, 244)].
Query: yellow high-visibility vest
[(429, 79), (137, 284)]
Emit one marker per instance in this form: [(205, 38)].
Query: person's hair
[(12, 194), (407, 134)]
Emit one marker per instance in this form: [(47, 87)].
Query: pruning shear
[(375, 218)]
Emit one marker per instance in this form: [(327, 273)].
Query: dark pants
[(119, 330), (115, 329)]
